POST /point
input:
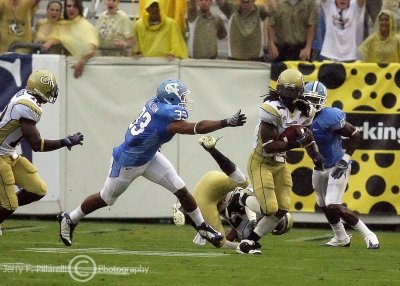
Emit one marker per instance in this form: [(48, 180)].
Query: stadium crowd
[(255, 30)]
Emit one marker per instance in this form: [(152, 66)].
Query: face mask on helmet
[(315, 92), (174, 92), (43, 84), (290, 86)]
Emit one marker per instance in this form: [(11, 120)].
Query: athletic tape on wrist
[(346, 157)]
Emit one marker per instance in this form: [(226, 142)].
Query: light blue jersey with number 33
[(148, 132)]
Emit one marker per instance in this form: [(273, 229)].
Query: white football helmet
[(315, 92), (173, 91)]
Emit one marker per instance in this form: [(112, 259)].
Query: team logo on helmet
[(47, 80), (173, 87)]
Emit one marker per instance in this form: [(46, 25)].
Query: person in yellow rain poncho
[(15, 23), (47, 27), (158, 35), (175, 9), (77, 35), (382, 46)]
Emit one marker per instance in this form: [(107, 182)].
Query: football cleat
[(340, 242), (372, 241), (208, 142), (247, 246), (66, 228), (1, 231), (209, 233), (177, 215)]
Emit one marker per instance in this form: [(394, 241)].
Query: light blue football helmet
[(173, 91), (315, 92)]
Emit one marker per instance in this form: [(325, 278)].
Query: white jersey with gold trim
[(277, 114), (22, 105)]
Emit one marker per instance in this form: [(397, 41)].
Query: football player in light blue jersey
[(328, 127), (163, 116)]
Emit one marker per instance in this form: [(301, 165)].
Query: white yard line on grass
[(123, 252)]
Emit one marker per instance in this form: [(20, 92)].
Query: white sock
[(339, 231), (76, 215), (253, 204), (362, 228), (266, 225), (196, 216)]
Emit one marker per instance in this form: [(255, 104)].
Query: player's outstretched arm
[(225, 164), (207, 126), (31, 134)]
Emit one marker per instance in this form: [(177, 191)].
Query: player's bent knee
[(11, 205), (271, 208), (334, 207), (42, 190), (109, 200)]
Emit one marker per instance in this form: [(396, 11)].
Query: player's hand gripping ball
[(297, 133)]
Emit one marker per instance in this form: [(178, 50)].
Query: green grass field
[(123, 253)]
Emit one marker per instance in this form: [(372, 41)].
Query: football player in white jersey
[(329, 127), (163, 116), (267, 168), (18, 121)]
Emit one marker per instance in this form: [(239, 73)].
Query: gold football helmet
[(290, 86), (43, 84)]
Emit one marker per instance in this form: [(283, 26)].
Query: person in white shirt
[(344, 26)]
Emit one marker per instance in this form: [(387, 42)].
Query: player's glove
[(72, 140), (238, 119), (304, 107), (319, 161), (340, 169)]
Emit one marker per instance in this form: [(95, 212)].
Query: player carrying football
[(267, 168), (163, 116)]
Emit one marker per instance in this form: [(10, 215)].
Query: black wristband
[(224, 123)]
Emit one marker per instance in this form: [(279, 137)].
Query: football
[(292, 133)]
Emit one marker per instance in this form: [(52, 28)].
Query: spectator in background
[(157, 35), (77, 35), (319, 34), (47, 28), (245, 35), (175, 9), (291, 30), (372, 8), (204, 30), (15, 23), (343, 22), (382, 46), (394, 7), (115, 30)]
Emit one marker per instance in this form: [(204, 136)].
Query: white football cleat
[(247, 246), (372, 241), (66, 228), (177, 215), (208, 141), (340, 242)]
